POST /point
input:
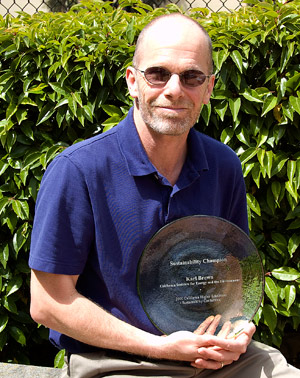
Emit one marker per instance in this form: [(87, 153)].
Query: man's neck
[(166, 152)]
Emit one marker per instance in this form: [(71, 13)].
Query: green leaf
[(64, 59), (60, 115), (269, 74), (220, 108), (52, 152), (130, 30), (4, 255), (227, 134), (276, 190), (295, 102), (287, 53), (206, 113), (238, 60), (251, 95), (270, 317), (268, 104), (11, 109), (77, 98), (18, 335), (21, 208), (31, 158), (28, 101), (86, 81), (38, 89), (89, 111), (243, 135), (291, 169), (59, 89), (290, 295), (45, 113), (20, 237), (9, 304), (62, 102), (278, 163), (235, 105), (72, 104), (293, 83), (3, 322), (257, 316), (33, 187), (101, 75), (27, 130), (3, 340), (111, 122), (3, 203), (263, 137), (3, 168), (59, 359), (253, 204), (220, 57), (294, 225), (112, 110), (271, 290), (286, 273), (283, 86), (290, 187), (13, 285), (268, 160)]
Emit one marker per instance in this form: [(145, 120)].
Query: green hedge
[(62, 80)]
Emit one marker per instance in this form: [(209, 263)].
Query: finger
[(225, 330), (238, 345), (217, 354), (209, 364), (213, 326), (245, 334), (249, 329), (204, 325), (245, 327)]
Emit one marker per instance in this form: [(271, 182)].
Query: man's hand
[(215, 357)]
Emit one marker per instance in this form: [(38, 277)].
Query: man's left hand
[(214, 357)]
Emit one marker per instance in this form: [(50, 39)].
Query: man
[(102, 200)]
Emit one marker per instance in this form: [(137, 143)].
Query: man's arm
[(56, 303)]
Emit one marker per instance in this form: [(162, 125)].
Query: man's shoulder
[(100, 143)]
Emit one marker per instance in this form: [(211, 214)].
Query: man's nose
[(173, 87)]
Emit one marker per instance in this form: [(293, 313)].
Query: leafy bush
[(62, 80), (256, 110)]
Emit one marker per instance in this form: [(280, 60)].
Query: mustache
[(171, 104)]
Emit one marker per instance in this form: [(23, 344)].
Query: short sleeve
[(63, 229)]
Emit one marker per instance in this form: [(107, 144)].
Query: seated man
[(101, 201)]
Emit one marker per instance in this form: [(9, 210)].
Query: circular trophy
[(199, 268)]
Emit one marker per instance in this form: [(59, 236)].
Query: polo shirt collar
[(137, 161)]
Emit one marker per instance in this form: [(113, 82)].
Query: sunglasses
[(160, 76)]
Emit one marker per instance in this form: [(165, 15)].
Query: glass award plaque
[(197, 267)]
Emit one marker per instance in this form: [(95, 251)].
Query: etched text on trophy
[(198, 278)]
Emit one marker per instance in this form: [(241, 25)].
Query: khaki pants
[(260, 361)]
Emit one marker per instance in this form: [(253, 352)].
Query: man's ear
[(209, 89), (131, 82)]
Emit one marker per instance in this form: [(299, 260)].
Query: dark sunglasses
[(160, 76)]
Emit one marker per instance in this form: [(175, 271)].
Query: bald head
[(175, 25)]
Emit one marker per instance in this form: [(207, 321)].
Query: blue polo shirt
[(101, 201)]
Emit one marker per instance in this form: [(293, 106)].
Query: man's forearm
[(66, 311), (56, 304)]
